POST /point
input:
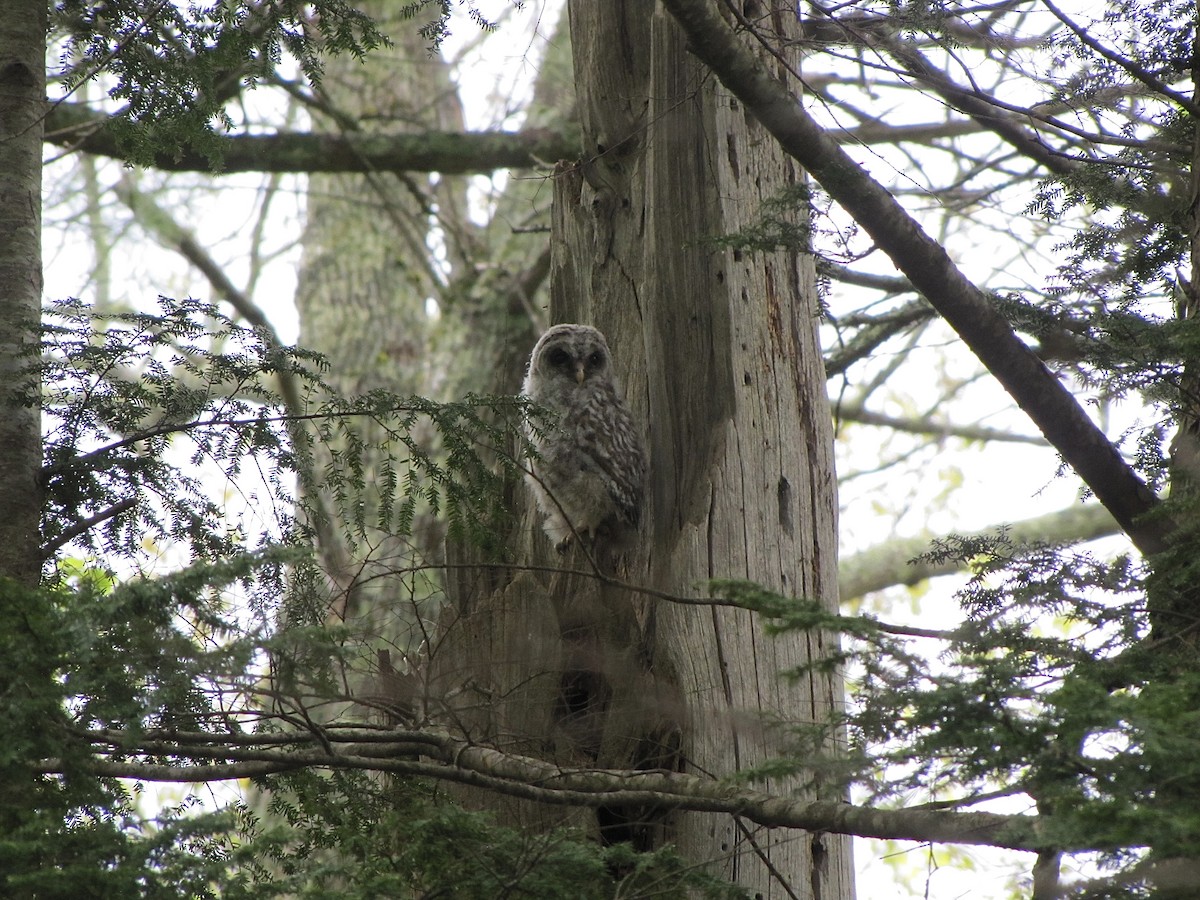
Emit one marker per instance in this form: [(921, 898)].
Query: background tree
[(367, 273), (22, 99)]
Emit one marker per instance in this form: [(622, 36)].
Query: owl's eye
[(558, 357), (596, 360)]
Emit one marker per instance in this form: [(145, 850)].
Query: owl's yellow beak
[(579, 372)]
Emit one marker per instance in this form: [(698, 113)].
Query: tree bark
[(718, 353), (730, 378), (22, 107)]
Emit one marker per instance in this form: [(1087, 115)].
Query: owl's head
[(575, 353)]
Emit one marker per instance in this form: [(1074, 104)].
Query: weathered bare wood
[(719, 355), (436, 754)]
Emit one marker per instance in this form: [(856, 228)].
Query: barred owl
[(590, 464)]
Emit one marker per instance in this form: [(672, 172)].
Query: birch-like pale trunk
[(22, 110)]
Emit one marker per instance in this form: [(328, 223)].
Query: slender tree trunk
[(1174, 603), (22, 108)]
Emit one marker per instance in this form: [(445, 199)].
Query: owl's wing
[(616, 450)]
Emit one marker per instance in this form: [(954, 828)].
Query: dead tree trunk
[(718, 353)]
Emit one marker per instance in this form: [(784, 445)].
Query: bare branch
[(160, 223), (48, 549), (873, 333), (855, 412), (450, 153), (877, 33), (895, 562)]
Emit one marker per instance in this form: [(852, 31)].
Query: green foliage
[(437, 14), (232, 648), (176, 66), (784, 223), (1121, 349), (113, 662), (1138, 38), (120, 391), (998, 702), (1123, 256), (453, 480), (1136, 242), (136, 404), (352, 836), (1057, 685)]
